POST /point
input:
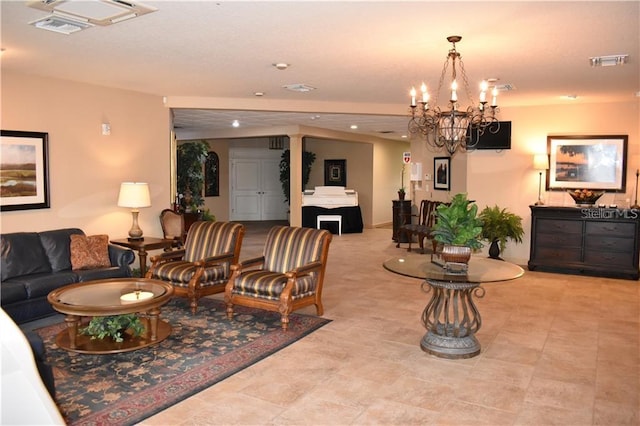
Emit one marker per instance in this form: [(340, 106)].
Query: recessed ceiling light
[(281, 65), (354, 126), (572, 97), (258, 93), (315, 117), (235, 123)]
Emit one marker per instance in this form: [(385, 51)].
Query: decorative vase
[(494, 249), (401, 195), (456, 254)]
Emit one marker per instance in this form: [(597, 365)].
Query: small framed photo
[(335, 173), (24, 170), (587, 162), (442, 173)]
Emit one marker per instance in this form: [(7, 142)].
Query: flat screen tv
[(497, 141)]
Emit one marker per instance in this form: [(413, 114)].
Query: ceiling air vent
[(97, 12), (299, 87), (507, 87), (59, 24)]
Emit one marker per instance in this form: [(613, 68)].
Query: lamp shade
[(134, 195), (540, 162)]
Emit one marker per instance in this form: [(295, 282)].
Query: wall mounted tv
[(497, 141)]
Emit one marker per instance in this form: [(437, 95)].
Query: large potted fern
[(458, 229), (499, 225)]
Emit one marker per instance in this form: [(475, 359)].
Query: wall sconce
[(134, 195), (540, 162)]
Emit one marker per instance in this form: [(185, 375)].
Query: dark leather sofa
[(35, 263)]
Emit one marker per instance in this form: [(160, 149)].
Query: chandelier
[(453, 128)]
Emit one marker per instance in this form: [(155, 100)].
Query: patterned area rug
[(202, 350)]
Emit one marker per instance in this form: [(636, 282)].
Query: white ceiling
[(361, 56)]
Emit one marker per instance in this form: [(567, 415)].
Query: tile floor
[(556, 350)]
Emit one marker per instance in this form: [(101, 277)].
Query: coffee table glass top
[(481, 269), (109, 293)]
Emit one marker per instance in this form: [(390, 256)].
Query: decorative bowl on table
[(585, 196)]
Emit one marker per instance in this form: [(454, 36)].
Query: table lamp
[(134, 195), (540, 162)]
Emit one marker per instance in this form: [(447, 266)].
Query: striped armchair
[(288, 276), (203, 266)]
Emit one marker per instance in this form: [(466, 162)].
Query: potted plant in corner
[(458, 229), (190, 174), (114, 327), (498, 225), (308, 159)]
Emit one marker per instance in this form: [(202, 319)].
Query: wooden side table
[(141, 246)]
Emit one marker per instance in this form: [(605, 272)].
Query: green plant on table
[(114, 326), (457, 223)]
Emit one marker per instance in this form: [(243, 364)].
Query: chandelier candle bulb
[(454, 95), (494, 101), (483, 91), (413, 96)]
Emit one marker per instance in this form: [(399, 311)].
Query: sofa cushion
[(12, 292), (89, 252), (22, 254), (38, 285), (102, 273), (56, 245)]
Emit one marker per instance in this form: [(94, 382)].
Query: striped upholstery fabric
[(286, 248), (205, 239)]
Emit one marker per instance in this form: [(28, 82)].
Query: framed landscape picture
[(587, 162), (442, 173), (24, 170)]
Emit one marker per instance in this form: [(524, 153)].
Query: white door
[(256, 193)]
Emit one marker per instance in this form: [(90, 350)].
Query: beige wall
[(85, 167), (508, 179), (373, 169)]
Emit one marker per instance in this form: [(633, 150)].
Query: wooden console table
[(589, 240)]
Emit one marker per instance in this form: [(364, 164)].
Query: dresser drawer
[(558, 255), (555, 226), (558, 239), (607, 243), (613, 229), (609, 259)]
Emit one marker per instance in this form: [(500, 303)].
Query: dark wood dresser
[(590, 241)]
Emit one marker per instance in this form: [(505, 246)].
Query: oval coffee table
[(114, 296), (451, 316)]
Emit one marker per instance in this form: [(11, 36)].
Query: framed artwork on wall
[(335, 172), (587, 162), (442, 173), (24, 170)]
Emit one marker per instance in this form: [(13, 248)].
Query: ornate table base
[(451, 319)]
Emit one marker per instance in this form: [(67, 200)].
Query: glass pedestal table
[(451, 316), (108, 297)]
